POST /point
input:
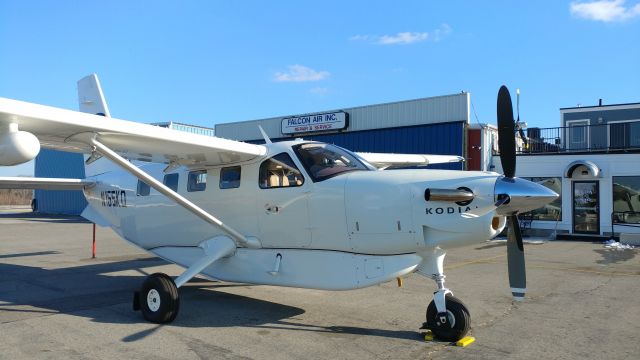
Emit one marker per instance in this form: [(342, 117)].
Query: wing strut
[(177, 198)]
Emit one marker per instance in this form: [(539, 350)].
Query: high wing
[(382, 161), (68, 130)]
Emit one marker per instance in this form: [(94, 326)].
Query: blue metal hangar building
[(434, 125)]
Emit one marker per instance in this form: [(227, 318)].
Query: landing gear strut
[(447, 317)]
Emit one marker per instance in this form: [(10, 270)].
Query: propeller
[(507, 147)]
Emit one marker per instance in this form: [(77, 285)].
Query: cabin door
[(283, 211)]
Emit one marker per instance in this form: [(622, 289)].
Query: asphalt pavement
[(57, 302)]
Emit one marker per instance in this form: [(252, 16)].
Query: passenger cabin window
[(171, 181), (324, 161), (280, 171), (197, 181), (143, 189), (230, 177)]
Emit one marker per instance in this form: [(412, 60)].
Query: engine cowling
[(17, 147)]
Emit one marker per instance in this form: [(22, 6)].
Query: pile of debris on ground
[(612, 244)]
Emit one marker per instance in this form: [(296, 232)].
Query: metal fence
[(613, 136)]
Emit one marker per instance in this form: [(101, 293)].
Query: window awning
[(592, 169)]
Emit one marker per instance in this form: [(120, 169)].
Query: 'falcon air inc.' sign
[(315, 122)]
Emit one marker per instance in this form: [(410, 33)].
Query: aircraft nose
[(523, 195)]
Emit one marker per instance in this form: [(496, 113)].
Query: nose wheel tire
[(458, 320), (158, 299)]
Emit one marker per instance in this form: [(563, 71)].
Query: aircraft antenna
[(264, 135), (520, 125)]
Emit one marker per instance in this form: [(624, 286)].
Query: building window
[(143, 189), (624, 134), (171, 181), (626, 199), (197, 181), (230, 177), (279, 171), (578, 134), (553, 210)]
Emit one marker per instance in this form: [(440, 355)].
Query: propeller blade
[(515, 260), (506, 132)]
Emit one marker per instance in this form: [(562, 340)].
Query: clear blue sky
[(208, 62)]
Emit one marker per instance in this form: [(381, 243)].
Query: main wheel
[(457, 316), (159, 299)]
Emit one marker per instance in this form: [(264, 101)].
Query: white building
[(593, 161)]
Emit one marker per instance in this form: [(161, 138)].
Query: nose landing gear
[(447, 317)]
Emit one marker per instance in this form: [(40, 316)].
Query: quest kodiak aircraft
[(292, 213)]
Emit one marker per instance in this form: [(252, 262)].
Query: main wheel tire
[(159, 300), (458, 316)]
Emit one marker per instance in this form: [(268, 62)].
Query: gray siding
[(606, 115), (598, 118)]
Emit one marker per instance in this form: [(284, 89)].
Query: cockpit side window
[(324, 161), (279, 171)]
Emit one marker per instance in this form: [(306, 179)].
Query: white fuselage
[(352, 230)]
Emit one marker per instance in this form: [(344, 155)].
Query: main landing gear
[(158, 297), (447, 317)]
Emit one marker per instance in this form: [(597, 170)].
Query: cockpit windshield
[(324, 161)]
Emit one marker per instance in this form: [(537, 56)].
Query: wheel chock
[(467, 340), (428, 336)]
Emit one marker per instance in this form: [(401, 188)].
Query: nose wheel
[(452, 325), (158, 299)]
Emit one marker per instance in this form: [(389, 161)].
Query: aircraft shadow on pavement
[(47, 218), (351, 330), (36, 253), (27, 291), (85, 291)]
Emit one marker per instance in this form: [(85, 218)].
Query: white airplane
[(293, 213)]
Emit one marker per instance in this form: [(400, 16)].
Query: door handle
[(272, 209)]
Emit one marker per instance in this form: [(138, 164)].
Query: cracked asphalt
[(57, 302)]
